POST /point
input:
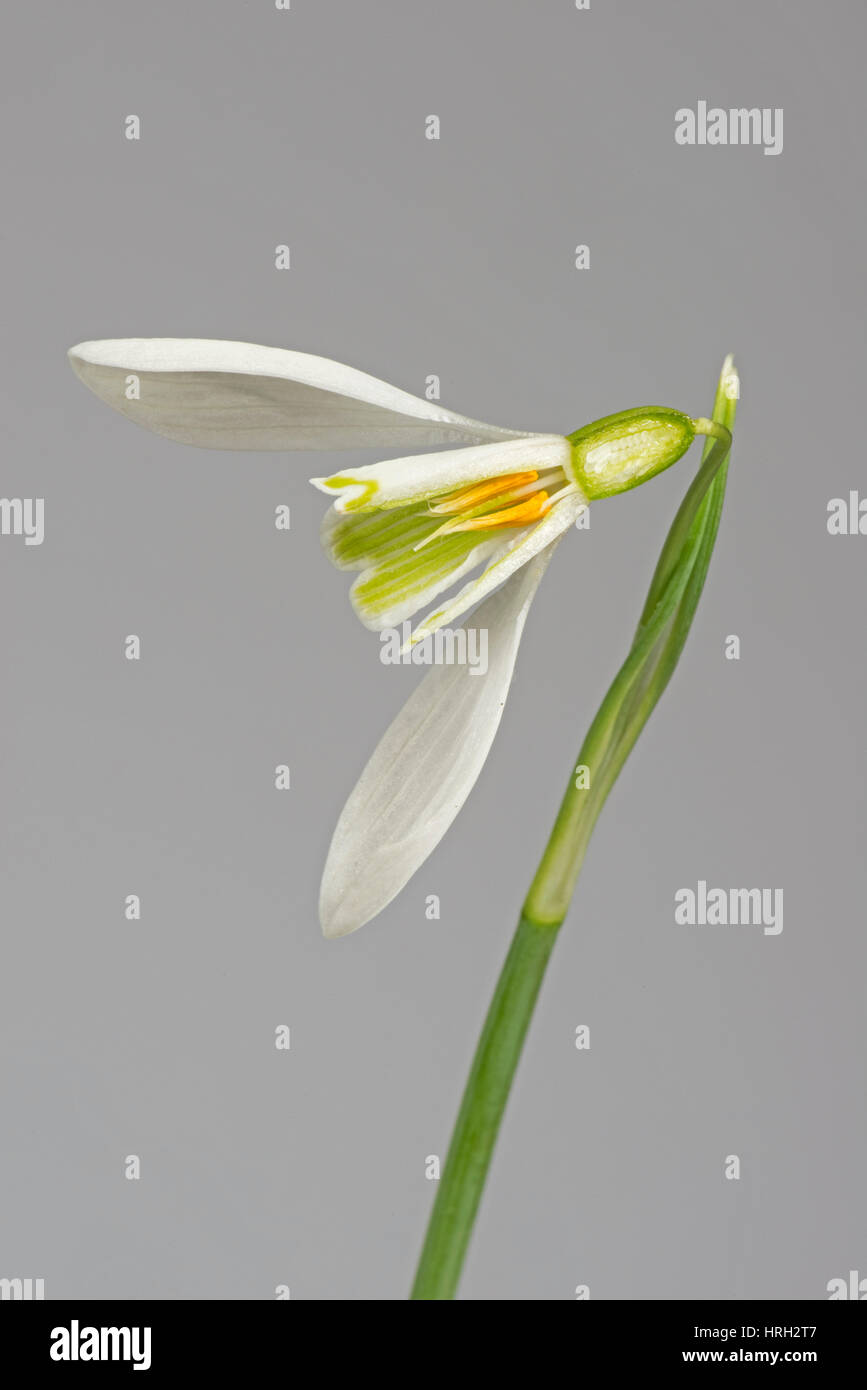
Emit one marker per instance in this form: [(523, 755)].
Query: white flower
[(414, 528)]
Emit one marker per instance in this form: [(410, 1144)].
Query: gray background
[(411, 257)]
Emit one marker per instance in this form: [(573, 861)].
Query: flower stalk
[(659, 639)]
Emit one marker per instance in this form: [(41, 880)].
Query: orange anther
[(474, 496), (521, 514)]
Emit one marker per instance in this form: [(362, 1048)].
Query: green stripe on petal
[(357, 493), (387, 594), (353, 541)]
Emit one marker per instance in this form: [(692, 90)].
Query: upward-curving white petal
[(424, 767), (225, 395)]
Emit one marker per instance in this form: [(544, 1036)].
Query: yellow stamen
[(520, 515), (470, 497)]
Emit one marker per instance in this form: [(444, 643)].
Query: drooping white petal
[(225, 395), (530, 542), (424, 767), (398, 482)]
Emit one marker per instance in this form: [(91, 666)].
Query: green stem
[(662, 630), (484, 1101)]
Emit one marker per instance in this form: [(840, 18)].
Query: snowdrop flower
[(485, 516)]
